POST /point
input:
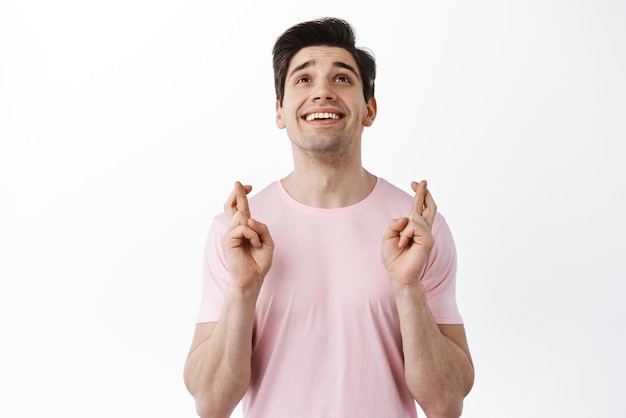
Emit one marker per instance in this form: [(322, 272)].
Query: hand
[(247, 243), (408, 241)]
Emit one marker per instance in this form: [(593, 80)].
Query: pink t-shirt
[(327, 339)]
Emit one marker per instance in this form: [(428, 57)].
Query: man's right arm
[(218, 368)]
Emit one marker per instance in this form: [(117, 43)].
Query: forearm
[(218, 369), (438, 372)]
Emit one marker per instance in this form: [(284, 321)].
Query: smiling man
[(329, 293)]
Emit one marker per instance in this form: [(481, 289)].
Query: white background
[(123, 125)]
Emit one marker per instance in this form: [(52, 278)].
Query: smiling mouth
[(322, 116)]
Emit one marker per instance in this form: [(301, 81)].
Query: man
[(329, 293)]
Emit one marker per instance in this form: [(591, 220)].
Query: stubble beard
[(328, 149)]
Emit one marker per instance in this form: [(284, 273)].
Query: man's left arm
[(437, 363), (438, 367)]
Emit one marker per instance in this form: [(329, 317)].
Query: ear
[(370, 114), (280, 122)]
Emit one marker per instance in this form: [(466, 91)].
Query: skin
[(327, 153), (221, 351), (438, 367), (328, 173)]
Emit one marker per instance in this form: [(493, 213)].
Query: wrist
[(407, 276), (404, 289), (248, 293), (410, 299)]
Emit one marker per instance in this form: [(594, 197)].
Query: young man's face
[(323, 107)]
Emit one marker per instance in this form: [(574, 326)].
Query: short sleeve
[(439, 278), (215, 275)]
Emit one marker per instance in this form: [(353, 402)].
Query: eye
[(342, 79), (302, 79)]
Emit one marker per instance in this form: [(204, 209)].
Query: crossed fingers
[(241, 224), (421, 217), (237, 201), (247, 244), (423, 204)]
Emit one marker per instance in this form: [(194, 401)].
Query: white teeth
[(325, 115)]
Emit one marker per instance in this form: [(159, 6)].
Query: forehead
[(317, 55)]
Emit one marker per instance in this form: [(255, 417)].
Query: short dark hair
[(326, 31)]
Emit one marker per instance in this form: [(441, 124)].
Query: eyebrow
[(336, 64)]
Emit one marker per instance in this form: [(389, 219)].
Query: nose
[(324, 91)]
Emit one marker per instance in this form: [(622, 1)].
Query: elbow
[(210, 403), (440, 404), (208, 409), (451, 409), (446, 402), (204, 409)]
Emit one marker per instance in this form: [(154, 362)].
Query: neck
[(327, 187)]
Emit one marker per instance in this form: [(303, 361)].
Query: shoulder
[(402, 200), (390, 190), (261, 199), (268, 193), (391, 198)]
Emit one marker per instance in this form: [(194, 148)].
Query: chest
[(327, 268)]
